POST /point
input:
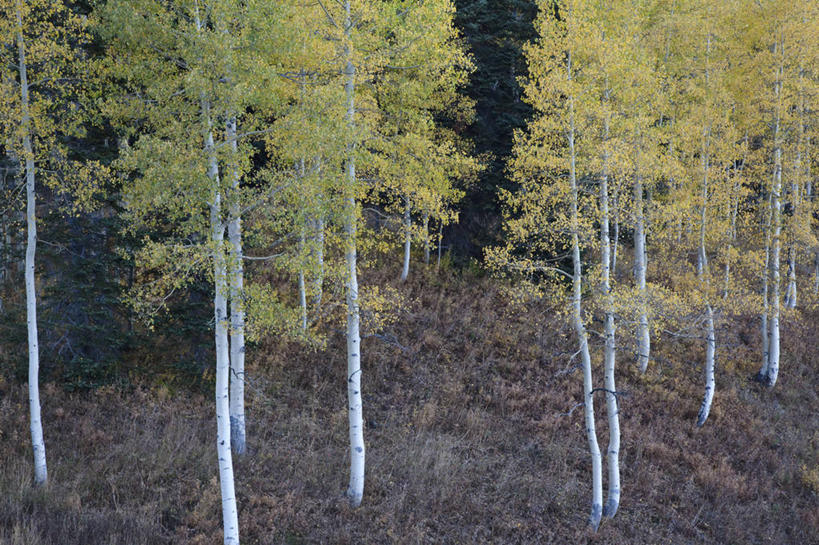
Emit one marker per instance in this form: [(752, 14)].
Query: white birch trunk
[(302, 285), (221, 285), (711, 344), (613, 451), (643, 335), (407, 237), (766, 340), (580, 329), (710, 383), (220, 278), (355, 490), (35, 422), (773, 365), (318, 281), (238, 434)]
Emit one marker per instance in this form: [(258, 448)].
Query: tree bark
[(643, 335), (773, 365), (220, 277), (580, 329), (355, 490), (238, 432), (35, 421), (407, 237), (613, 451), (221, 285)]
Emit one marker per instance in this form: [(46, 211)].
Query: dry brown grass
[(466, 444)]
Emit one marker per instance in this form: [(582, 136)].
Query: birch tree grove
[(258, 187)]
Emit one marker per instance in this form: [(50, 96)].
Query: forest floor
[(468, 434)]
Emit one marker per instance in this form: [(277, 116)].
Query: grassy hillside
[(469, 441)]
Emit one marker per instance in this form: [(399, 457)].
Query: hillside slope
[(469, 441)]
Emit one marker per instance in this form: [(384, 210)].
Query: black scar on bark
[(596, 515), (611, 508)]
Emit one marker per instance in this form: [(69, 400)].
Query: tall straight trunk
[(221, 287), (302, 249), (613, 451), (773, 365), (426, 238), (580, 329), (355, 490), (318, 240), (302, 285), (766, 340), (643, 335), (35, 421), (238, 434), (407, 237)]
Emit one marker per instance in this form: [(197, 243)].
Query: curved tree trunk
[(580, 329), (35, 420), (355, 490)]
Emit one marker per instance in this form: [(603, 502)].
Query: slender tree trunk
[(441, 244), (355, 490), (613, 451), (710, 352), (221, 285), (221, 288), (580, 329), (318, 281), (773, 366), (766, 340), (643, 335), (302, 285), (407, 237), (238, 434), (711, 344), (426, 238), (35, 423)]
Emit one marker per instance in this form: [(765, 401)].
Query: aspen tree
[(40, 56), (173, 57), (561, 147)]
